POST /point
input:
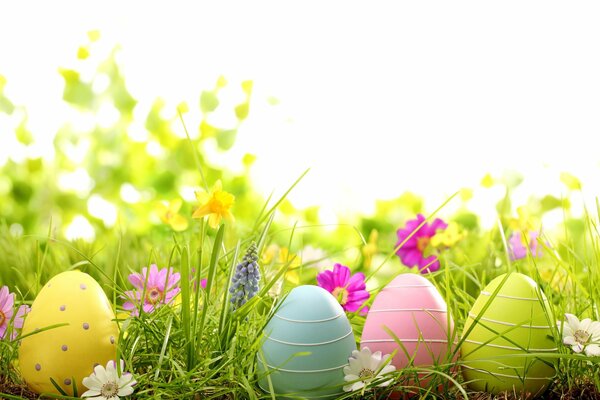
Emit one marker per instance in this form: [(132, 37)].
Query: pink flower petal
[(174, 278), (4, 295), (341, 274), (358, 296), (148, 308), (325, 280), (137, 280), (429, 264), (356, 282), (412, 258)]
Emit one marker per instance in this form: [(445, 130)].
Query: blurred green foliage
[(107, 162), (114, 174)]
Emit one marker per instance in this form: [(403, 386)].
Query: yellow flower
[(281, 256), (286, 257), (169, 214), (370, 249), (449, 236), (215, 204), (558, 279), (523, 222)]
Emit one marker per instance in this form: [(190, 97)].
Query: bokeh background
[(394, 107)]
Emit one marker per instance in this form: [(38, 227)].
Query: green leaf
[(93, 35), (23, 134), (248, 160), (512, 179), (242, 110), (83, 53), (76, 91), (247, 87), (226, 138), (570, 181), (208, 101), (207, 130), (467, 219), (487, 181), (221, 82), (550, 203), (6, 106)]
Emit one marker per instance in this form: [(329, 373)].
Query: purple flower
[(412, 253), (160, 289), (348, 289), (7, 310), (517, 245)]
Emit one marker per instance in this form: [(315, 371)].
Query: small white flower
[(582, 336), (365, 367), (106, 384)]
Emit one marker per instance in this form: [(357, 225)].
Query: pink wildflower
[(7, 310), (412, 253), (348, 289), (517, 246), (160, 289)]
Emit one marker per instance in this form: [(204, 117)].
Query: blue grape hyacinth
[(244, 284)]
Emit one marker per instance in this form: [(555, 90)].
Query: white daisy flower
[(106, 384), (581, 335), (365, 367)]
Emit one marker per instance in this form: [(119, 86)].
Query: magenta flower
[(412, 253), (348, 289), (160, 289), (517, 246), (7, 310)]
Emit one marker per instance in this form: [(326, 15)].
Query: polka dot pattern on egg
[(76, 329)]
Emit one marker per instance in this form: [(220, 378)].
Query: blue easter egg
[(306, 345)]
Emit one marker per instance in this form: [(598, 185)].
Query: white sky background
[(376, 97)]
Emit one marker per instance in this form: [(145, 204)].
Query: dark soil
[(583, 391), (9, 388)]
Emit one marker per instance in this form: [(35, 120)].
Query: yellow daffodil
[(216, 205), (370, 249), (169, 214), (449, 236)]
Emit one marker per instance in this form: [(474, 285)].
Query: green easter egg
[(500, 332)]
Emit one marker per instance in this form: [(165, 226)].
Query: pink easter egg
[(415, 312)]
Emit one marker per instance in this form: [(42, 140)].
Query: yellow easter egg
[(87, 336)]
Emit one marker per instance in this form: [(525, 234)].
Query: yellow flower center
[(366, 373), (341, 294), (2, 318), (581, 336), (109, 389), (221, 202), (169, 215), (422, 243), (153, 295)]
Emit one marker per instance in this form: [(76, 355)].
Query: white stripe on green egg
[(519, 313)]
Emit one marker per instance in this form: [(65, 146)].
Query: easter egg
[(413, 310), (508, 320), (86, 334), (306, 345)]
